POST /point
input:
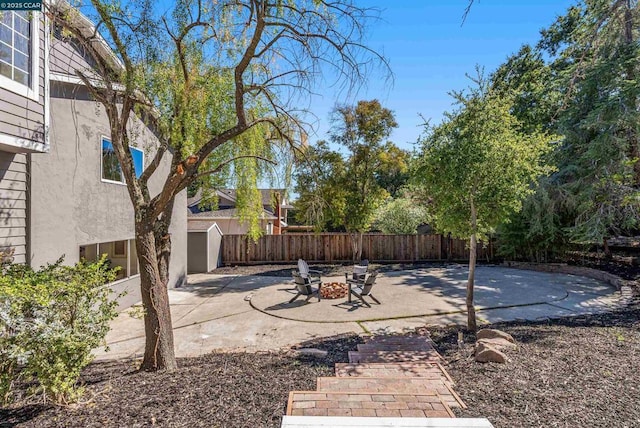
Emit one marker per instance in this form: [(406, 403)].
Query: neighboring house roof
[(228, 213), (231, 194), (195, 200), (201, 226), (266, 194)]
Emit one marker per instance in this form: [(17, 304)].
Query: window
[(15, 41), (111, 170), (121, 254), (18, 51), (120, 248)]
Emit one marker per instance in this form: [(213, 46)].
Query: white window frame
[(33, 91), (105, 180)]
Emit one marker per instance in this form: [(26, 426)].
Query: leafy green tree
[(393, 173), (220, 89), (321, 198), (362, 129), (477, 167), (401, 216)]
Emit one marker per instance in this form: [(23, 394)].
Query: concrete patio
[(227, 312)]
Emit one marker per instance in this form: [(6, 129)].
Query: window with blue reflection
[(111, 169)]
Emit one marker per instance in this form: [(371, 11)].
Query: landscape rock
[(312, 352), (487, 354), (499, 343), (488, 333)]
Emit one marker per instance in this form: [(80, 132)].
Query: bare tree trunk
[(607, 250), (356, 245), (158, 353), (473, 244), (631, 100)]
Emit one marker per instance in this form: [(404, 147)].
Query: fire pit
[(334, 290)]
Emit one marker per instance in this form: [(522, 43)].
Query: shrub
[(401, 216), (50, 320)]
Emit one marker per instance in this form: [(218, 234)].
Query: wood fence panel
[(336, 247)]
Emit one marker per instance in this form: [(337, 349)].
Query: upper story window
[(111, 170), (18, 52)]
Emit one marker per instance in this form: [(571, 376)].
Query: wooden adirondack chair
[(360, 289), (312, 275), (304, 288)]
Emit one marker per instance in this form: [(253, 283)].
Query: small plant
[(50, 320)]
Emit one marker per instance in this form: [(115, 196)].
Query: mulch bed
[(571, 372), (215, 390)]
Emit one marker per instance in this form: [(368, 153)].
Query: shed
[(203, 247)]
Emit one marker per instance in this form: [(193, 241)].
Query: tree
[(392, 173), (595, 55), (319, 176), (477, 167), (362, 129), (220, 88)]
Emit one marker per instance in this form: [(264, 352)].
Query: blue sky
[(430, 52)]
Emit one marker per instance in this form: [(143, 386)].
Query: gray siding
[(67, 56), (20, 116), (13, 204)]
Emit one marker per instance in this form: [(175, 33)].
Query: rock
[(486, 354), (499, 343), (312, 352), (488, 333)]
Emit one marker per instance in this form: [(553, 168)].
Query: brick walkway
[(389, 376)]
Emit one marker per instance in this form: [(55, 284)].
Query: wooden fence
[(336, 247)]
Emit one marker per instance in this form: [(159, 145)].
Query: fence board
[(336, 247)]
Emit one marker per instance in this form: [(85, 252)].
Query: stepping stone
[(394, 357), (432, 370), (408, 385), (310, 403), (369, 347), (398, 339)]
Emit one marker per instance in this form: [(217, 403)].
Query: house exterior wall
[(71, 204), (13, 205), (22, 130), (66, 56)]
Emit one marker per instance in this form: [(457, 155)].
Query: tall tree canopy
[(362, 129), (587, 91), (477, 167), (219, 81)]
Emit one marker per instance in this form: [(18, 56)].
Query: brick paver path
[(423, 370), (389, 376)]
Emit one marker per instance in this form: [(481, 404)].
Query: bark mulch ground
[(571, 372), (215, 390)]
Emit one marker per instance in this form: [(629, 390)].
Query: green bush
[(50, 320)]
